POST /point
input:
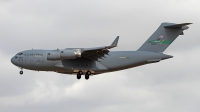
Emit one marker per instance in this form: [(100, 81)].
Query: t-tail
[(163, 37)]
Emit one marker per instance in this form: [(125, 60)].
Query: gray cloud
[(170, 85)]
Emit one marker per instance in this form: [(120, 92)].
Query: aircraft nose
[(13, 60)]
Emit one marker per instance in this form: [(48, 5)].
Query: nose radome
[(12, 60)]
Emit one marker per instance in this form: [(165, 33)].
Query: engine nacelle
[(70, 54), (64, 54)]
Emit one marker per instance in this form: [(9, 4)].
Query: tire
[(21, 72), (88, 73), (80, 72), (87, 77), (78, 76)]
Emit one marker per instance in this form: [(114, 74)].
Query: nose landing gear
[(21, 72), (87, 74)]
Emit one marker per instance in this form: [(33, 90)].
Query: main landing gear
[(79, 74), (87, 75)]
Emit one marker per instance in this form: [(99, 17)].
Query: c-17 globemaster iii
[(97, 60)]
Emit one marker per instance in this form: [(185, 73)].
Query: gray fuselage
[(97, 60), (113, 61)]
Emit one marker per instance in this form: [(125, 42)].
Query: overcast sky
[(172, 85)]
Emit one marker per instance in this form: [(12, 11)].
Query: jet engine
[(64, 54), (70, 54)]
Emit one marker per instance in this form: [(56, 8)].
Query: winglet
[(114, 44)]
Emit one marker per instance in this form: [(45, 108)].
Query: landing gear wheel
[(88, 73), (79, 74), (21, 72), (87, 77)]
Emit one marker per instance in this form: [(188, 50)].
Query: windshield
[(20, 54)]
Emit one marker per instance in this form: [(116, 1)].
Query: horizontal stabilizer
[(177, 25)]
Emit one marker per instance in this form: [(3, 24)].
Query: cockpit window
[(20, 53), (15, 57)]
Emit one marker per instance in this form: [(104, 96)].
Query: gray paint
[(100, 60), (166, 31)]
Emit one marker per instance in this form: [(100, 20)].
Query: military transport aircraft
[(97, 60)]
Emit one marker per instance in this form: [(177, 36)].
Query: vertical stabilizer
[(163, 37)]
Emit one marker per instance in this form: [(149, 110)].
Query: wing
[(98, 53)]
